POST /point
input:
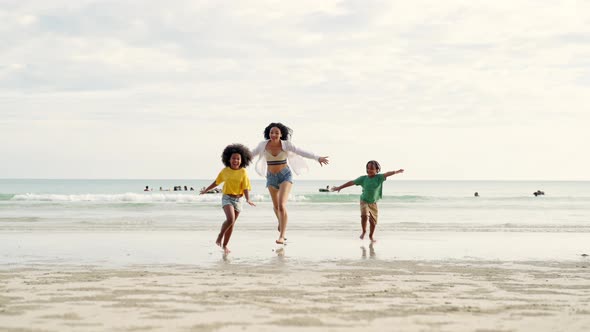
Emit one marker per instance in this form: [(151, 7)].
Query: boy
[(372, 185)]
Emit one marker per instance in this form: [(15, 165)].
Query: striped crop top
[(279, 159)]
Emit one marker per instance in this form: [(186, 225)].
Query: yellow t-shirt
[(236, 181)]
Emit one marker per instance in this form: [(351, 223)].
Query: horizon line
[(262, 179)]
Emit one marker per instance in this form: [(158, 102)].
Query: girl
[(273, 154), (372, 185), (236, 158)]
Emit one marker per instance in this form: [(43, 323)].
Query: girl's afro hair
[(236, 148)]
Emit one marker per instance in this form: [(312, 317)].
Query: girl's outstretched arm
[(386, 174), (205, 190), (247, 195), (338, 188)]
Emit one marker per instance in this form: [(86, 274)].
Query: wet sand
[(123, 248), (326, 281)]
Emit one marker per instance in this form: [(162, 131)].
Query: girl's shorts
[(275, 179), (371, 210), (234, 201)]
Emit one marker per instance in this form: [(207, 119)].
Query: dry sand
[(348, 295)]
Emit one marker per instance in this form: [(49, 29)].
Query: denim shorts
[(234, 201), (275, 179)]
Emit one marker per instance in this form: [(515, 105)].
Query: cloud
[(182, 74)]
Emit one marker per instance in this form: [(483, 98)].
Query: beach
[(98, 256), (347, 295), (180, 281), (450, 134)]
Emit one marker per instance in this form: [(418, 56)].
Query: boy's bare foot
[(372, 239), (226, 250), (363, 235), (218, 241)]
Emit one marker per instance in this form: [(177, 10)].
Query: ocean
[(40, 219)]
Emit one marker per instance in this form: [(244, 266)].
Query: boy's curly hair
[(236, 148), (286, 132), (375, 163)]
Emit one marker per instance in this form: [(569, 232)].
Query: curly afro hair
[(236, 148), (375, 163), (286, 132)]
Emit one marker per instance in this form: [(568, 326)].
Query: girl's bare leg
[(230, 218), (229, 232), (363, 226)]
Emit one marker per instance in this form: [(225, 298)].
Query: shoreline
[(122, 248)]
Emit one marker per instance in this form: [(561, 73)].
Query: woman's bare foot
[(226, 250), (363, 235), (218, 241), (279, 229), (281, 241), (372, 239)]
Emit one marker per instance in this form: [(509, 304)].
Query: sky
[(447, 90)]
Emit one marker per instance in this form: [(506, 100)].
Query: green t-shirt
[(372, 187)]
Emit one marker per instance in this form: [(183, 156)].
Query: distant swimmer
[(476, 194), (147, 188), (538, 193)]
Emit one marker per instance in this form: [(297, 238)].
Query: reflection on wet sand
[(280, 254), (225, 257), (372, 253)]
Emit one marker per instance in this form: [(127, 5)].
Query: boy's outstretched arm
[(211, 186), (386, 174), (338, 188)]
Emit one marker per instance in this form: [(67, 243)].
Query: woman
[(273, 153)]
